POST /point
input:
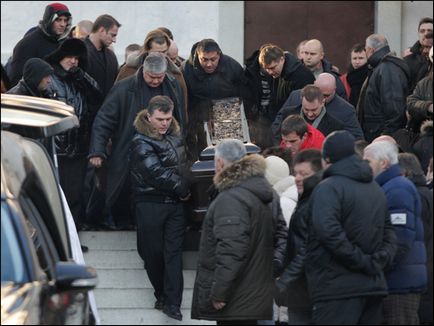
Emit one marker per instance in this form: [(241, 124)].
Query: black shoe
[(173, 312), (159, 304)]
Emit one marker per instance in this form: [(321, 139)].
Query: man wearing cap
[(36, 79), (350, 240), (51, 31)]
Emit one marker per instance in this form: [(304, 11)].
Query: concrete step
[(129, 259), (134, 298), (146, 317), (134, 279), (113, 240)]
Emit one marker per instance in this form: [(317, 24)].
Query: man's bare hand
[(218, 305), (96, 161)]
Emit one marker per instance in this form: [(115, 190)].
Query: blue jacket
[(408, 273)]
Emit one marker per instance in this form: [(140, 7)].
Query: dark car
[(40, 282)]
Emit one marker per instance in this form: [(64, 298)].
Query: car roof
[(21, 159), (36, 117)]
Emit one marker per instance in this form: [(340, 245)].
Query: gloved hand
[(77, 73), (374, 264)]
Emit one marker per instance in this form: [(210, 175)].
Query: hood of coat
[(247, 173), (291, 64), (144, 127), (53, 11), (352, 167), (284, 184)]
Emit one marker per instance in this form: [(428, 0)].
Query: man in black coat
[(115, 120), (335, 105), (418, 61), (313, 58), (382, 102), (351, 239), (269, 78), (209, 75), (292, 282), (51, 31), (158, 166), (103, 64), (312, 110), (36, 78), (235, 266)]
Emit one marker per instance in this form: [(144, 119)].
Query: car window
[(38, 232), (12, 262)]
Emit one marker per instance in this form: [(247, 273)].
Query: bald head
[(313, 54), (83, 29), (172, 52), (327, 84)]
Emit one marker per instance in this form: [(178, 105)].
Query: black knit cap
[(35, 70), (338, 145)]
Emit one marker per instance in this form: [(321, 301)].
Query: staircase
[(124, 295)]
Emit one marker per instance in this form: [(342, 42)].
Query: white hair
[(376, 41), (230, 150), (383, 150), (155, 63)]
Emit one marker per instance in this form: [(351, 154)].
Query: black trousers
[(160, 235), (350, 311), (72, 172)]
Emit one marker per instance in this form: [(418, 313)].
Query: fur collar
[(249, 166), (144, 127), (426, 128)]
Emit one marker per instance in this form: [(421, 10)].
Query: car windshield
[(12, 262)]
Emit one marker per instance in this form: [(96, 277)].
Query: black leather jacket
[(74, 88), (157, 163)]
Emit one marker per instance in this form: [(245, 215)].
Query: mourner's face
[(274, 69), (161, 121), (293, 142), (154, 80), (377, 166), (59, 25), (108, 37), (161, 48), (68, 62), (312, 55), (312, 109), (209, 61), (302, 171), (43, 84), (424, 30), (358, 59)]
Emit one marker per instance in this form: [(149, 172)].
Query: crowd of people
[(332, 221)]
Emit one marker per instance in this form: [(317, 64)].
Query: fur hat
[(338, 145), (277, 169), (70, 47)]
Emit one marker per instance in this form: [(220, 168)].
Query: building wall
[(398, 21), (191, 21)]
